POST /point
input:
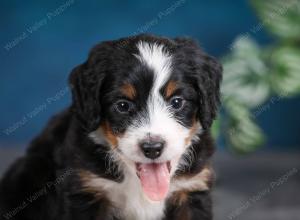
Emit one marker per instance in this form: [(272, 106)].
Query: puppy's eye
[(124, 106), (177, 103)]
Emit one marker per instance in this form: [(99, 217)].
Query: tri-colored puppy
[(135, 143)]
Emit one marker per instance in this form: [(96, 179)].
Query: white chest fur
[(128, 198)]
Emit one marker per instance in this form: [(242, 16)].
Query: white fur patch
[(156, 58), (127, 197)]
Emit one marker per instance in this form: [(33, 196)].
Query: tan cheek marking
[(109, 135), (179, 197), (182, 185), (88, 183), (192, 132), (129, 91), (170, 89), (91, 184)]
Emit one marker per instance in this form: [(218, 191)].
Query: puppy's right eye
[(124, 106)]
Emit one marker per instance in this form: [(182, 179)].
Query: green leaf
[(245, 76), (286, 66), (242, 134), (282, 18), (215, 129)]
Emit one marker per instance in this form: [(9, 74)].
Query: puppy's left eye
[(177, 103), (124, 106)]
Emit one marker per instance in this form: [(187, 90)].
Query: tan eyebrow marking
[(170, 89), (128, 90)]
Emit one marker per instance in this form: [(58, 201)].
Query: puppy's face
[(149, 104)]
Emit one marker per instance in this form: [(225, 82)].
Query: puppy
[(135, 143)]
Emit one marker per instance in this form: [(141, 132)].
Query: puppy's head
[(147, 98)]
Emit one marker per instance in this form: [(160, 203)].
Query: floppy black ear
[(209, 78), (85, 86), (207, 72)]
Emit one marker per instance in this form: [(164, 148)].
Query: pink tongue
[(155, 179)]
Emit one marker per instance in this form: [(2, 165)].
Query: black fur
[(44, 184)]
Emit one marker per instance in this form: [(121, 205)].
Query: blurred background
[(258, 42)]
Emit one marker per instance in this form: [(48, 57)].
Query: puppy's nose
[(152, 149)]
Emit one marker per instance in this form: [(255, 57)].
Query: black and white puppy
[(135, 143)]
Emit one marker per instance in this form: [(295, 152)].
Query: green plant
[(254, 74)]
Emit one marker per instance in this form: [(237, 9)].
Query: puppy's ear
[(209, 79), (85, 85), (208, 74)]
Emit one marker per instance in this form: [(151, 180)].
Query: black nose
[(152, 149)]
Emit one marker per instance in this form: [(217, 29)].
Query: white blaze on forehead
[(161, 121), (157, 58)]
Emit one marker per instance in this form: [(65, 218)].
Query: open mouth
[(155, 179)]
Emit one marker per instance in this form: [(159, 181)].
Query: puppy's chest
[(131, 204), (127, 198)]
